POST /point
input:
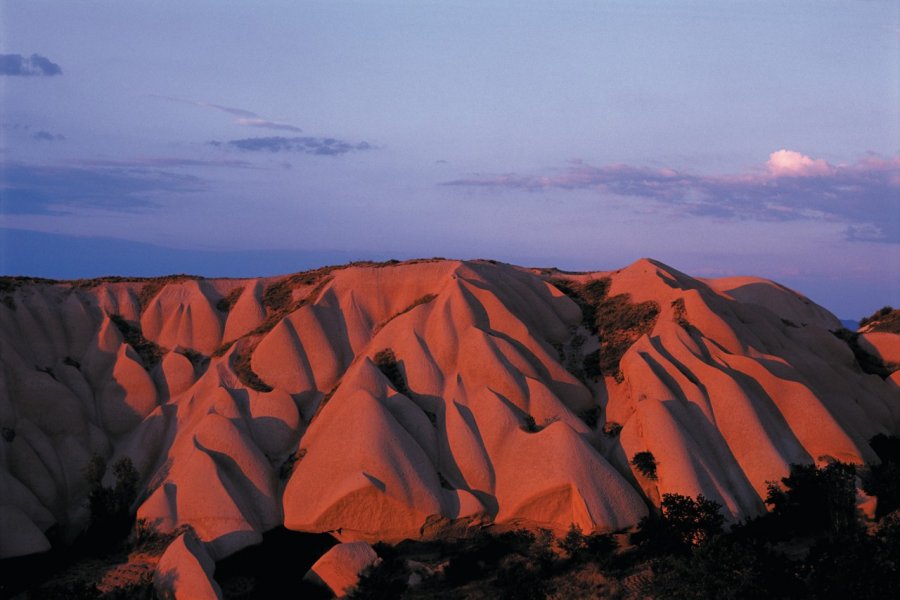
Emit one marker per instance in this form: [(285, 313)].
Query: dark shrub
[(615, 319), (241, 366), (111, 516), (724, 570), (387, 363), (612, 428), (228, 301), (854, 565), (886, 320), (684, 523), (882, 480), (520, 579), (645, 463), (694, 521), (149, 352), (574, 544), (385, 581), (679, 313), (815, 500)]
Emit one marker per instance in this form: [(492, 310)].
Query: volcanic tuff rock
[(387, 401), (339, 568)]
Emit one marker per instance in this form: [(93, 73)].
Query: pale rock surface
[(339, 568), (247, 313), (884, 346), (185, 571), (295, 423)]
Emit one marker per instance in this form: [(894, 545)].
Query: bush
[(612, 428), (882, 480), (574, 543), (679, 313), (615, 319), (695, 522), (244, 371), (387, 363), (645, 463), (520, 579), (228, 301), (386, 580), (724, 569), (886, 320), (683, 524), (815, 500), (111, 517), (149, 352)]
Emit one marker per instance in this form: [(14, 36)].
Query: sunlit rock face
[(380, 402)]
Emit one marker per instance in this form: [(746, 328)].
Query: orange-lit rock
[(485, 415)]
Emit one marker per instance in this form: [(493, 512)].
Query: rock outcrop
[(379, 402)]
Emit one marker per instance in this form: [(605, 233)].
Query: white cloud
[(788, 163)]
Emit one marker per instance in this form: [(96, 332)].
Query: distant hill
[(850, 324)]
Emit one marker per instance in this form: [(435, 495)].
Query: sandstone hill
[(417, 399)]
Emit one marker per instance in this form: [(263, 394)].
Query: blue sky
[(247, 138)]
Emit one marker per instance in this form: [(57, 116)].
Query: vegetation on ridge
[(241, 365), (884, 320), (229, 300), (149, 352), (616, 320), (387, 363)]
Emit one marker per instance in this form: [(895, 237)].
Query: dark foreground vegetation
[(112, 559), (813, 544)]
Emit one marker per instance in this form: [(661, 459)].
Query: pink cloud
[(790, 186), (788, 163)]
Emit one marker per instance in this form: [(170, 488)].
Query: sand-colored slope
[(755, 384), (245, 404)]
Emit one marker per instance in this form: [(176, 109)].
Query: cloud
[(787, 163), (790, 186), (64, 189), (34, 65), (308, 145), (161, 161), (46, 136), (243, 117)]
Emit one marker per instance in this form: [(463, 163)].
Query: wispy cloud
[(65, 189), (789, 186), (160, 162), (241, 116), (307, 145), (28, 66), (46, 136)]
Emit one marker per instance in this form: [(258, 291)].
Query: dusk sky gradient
[(237, 138)]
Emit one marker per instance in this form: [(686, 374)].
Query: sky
[(254, 138)]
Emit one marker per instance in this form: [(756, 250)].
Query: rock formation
[(380, 402)]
